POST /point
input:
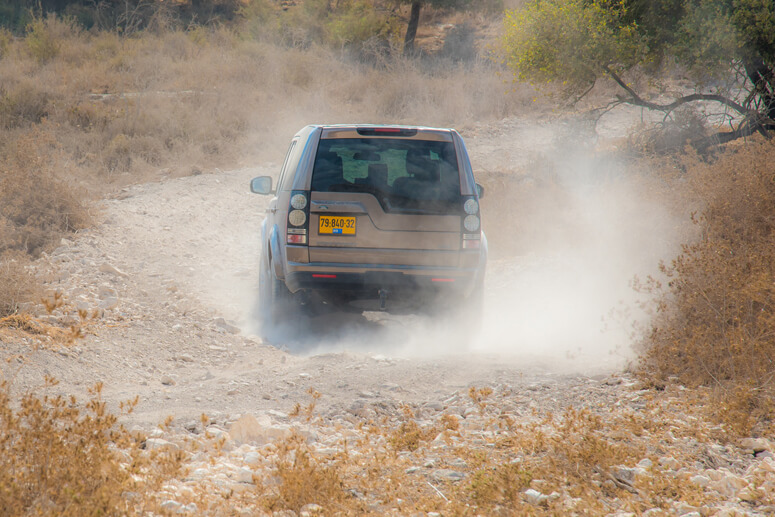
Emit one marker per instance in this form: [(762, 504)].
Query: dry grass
[(65, 458), (581, 460), (715, 321)]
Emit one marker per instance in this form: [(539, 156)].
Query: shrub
[(715, 322), (5, 41), (21, 104), (303, 479), (41, 39), (63, 458), (356, 22), (18, 284), (36, 208)]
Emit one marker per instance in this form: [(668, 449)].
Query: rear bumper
[(368, 279)]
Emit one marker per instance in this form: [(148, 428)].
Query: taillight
[(392, 131), (472, 224), (298, 218)]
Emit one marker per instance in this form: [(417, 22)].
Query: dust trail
[(568, 297), (564, 300)]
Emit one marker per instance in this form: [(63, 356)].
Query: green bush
[(42, 43)]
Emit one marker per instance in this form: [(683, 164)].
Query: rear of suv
[(372, 218)]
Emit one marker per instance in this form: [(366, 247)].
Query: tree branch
[(637, 100), (753, 120)]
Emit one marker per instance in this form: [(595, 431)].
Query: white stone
[(252, 458), (669, 462), (310, 510), (217, 433), (152, 444), (226, 326), (756, 444), (244, 475), (107, 268), (171, 506), (535, 497)]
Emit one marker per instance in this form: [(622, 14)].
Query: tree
[(417, 5), (726, 46)]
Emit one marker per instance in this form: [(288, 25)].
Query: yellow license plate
[(334, 225)]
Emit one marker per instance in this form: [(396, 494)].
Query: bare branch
[(637, 100)]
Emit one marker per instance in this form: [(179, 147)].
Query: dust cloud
[(566, 238), (567, 297)]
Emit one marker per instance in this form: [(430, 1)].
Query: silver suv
[(372, 217)]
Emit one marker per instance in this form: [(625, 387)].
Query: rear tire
[(470, 312), (275, 302)]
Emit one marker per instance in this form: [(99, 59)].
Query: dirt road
[(171, 266)]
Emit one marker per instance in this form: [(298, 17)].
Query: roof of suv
[(385, 130)]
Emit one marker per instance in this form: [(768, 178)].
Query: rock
[(699, 480), (310, 510), (756, 444), (625, 475), (459, 463), (243, 475), (217, 433), (249, 430), (108, 303), (470, 411), (153, 444), (535, 497), (645, 463), (749, 494), (167, 380), (107, 292), (768, 465), (171, 506), (252, 458), (284, 513), (447, 475), (435, 406), (226, 326), (729, 485), (108, 268), (669, 462), (198, 474)]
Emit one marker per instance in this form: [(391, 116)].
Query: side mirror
[(261, 185), (479, 190)]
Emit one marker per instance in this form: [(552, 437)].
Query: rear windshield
[(404, 175)]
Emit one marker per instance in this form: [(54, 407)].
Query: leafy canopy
[(726, 44), (570, 41)]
